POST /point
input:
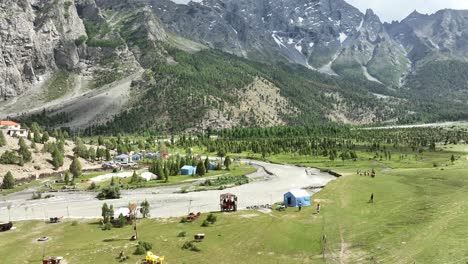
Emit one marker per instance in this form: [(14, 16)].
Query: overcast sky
[(389, 10)]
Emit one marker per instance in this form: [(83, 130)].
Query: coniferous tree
[(2, 139), (45, 137), (24, 151), (57, 158), (207, 164), (75, 168), (201, 169), (227, 162), (8, 181), (108, 155)]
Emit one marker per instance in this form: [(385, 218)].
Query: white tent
[(148, 176)]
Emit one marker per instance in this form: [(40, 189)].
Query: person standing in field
[(371, 198), (318, 208), (300, 206)]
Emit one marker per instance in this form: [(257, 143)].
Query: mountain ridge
[(135, 39)]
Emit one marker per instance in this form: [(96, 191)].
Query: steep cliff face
[(440, 35), (36, 37)]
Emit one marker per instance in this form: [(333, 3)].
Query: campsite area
[(419, 215)]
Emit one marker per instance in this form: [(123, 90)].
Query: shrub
[(205, 223), (142, 248), (93, 186), (109, 192), (82, 39), (8, 157), (191, 246), (107, 226), (211, 218), (74, 223), (182, 234), (183, 220)]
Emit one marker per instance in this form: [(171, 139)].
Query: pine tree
[(66, 178), (201, 169), (112, 183), (108, 155), (166, 173), (61, 146), (207, 164), (45, 137), (227, 162), (2, 139), (37, 135), (57, 158), (100, 141), (75, 168), (92, 154), (8, 181), (105, 213), (24, 151), (159, 169), (452, 159), (135, 178)]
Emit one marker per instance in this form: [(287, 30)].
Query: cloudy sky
[(389, 10)]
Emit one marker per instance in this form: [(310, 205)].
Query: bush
[(74, 223), (82, 39), (93, 186), (142, 248), (8, 157), (205, 223), (109, 192), (182, 234), (107, 226), (191, 246), (211, 218), (183, 220)]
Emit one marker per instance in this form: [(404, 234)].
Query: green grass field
[(420, 215)]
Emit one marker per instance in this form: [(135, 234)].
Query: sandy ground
[(165, 202), (39, 159)]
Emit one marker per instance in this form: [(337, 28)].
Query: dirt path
[(165, 202)]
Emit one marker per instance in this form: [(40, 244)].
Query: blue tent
[(293, 197), (188, 170), (136, 157), (212, 166)]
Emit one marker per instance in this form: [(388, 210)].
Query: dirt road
[(164, 201)]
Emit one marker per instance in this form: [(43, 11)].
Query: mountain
[(111, 65), (330, 36)]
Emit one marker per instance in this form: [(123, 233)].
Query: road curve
[(164, 202)]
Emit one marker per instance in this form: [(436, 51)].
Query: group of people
[(229, 204), (366, 173), (317, 208)]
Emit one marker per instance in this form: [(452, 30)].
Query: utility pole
[(190, 204)]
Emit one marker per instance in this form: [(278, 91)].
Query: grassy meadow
[(419, 215)]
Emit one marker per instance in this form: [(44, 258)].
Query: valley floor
[(419, 215)]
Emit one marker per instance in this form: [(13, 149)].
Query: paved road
[(164, 201)]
